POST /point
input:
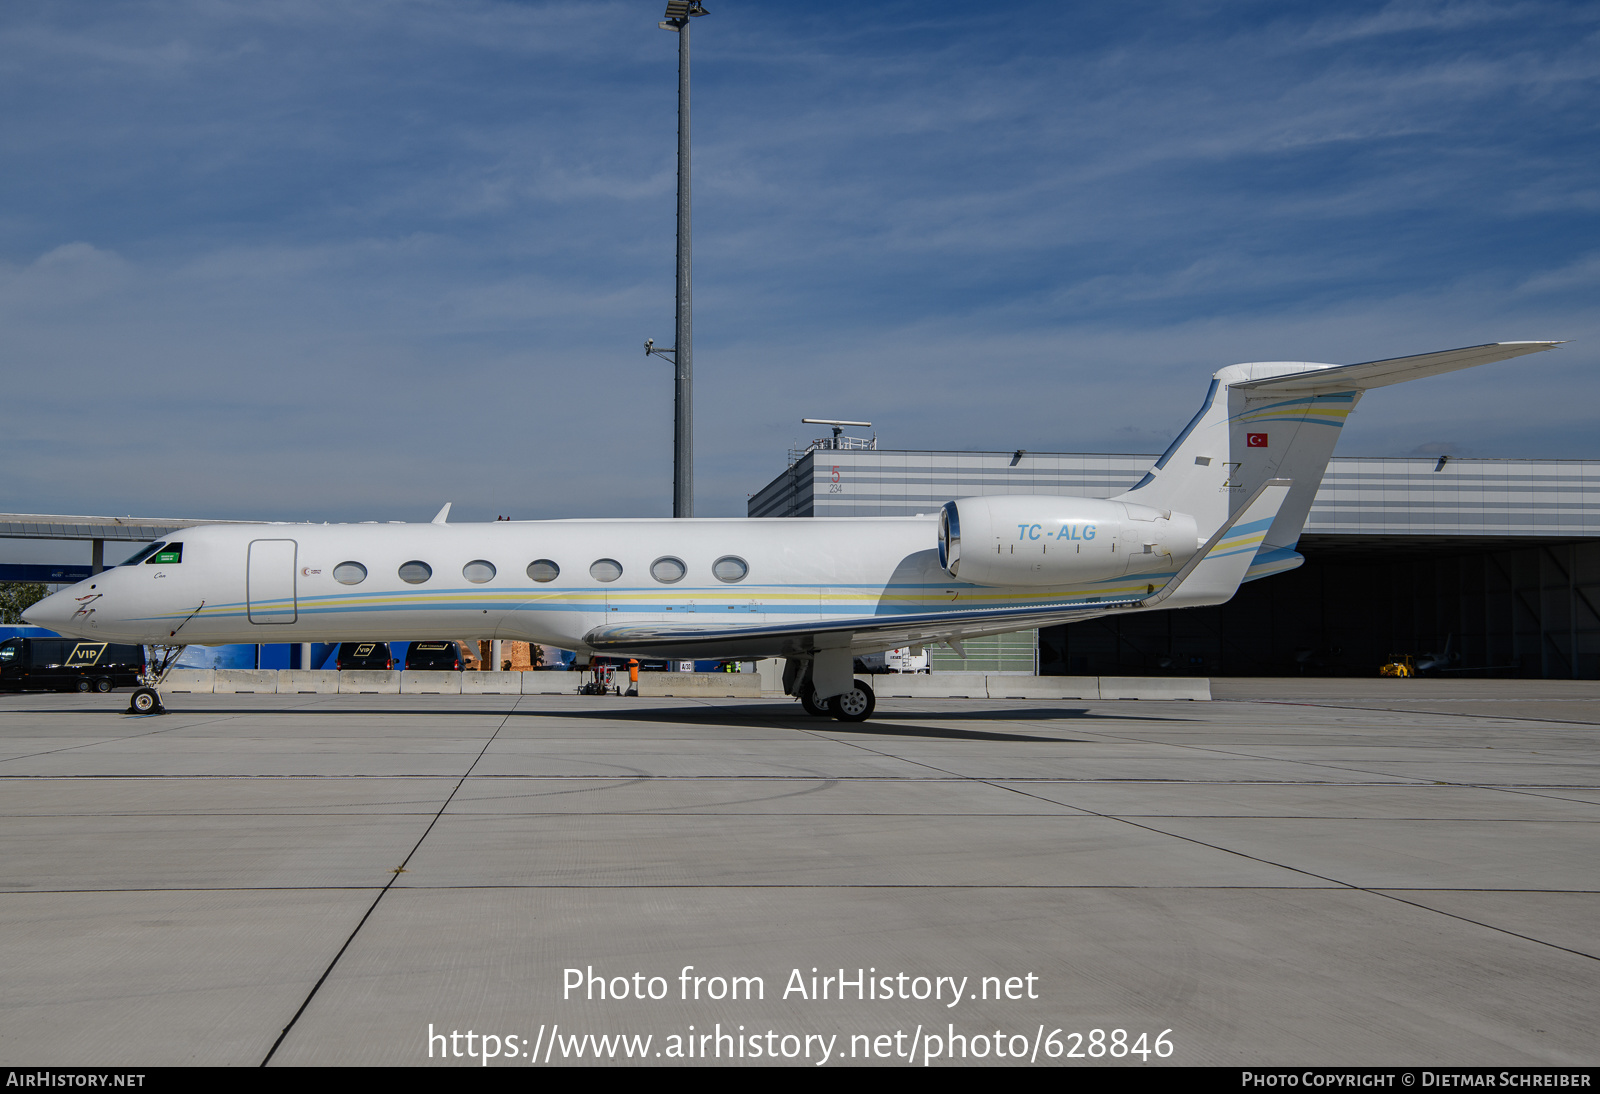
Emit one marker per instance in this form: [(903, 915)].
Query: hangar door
[(269, 584)]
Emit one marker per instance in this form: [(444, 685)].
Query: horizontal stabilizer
[(1213, 575), (1370, 374)]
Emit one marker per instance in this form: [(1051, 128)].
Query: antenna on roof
[(838, 426)]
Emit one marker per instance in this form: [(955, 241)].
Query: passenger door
[(270, 582)]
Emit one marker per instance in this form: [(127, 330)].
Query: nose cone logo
[(1256, 440)]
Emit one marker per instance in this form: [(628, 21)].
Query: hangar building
[(1493, 562)]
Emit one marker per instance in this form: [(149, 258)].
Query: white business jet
[(1224, 504)]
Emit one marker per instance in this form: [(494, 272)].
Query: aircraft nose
[(54, 612)]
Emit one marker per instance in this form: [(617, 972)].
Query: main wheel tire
[(144, 701), (855, 705), (102, 686), (83, 685), (808, 699)]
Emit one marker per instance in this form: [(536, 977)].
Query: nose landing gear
[(146, 701), (158, 662)]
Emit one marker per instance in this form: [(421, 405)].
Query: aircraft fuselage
[(284, 582)]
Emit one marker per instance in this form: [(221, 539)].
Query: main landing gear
[(855, 705)]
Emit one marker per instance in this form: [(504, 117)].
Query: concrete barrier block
[(308, 682), (1155, 687), (369, 682), (191, 681), (430, 682), (549, 683), (770, 670), (937, 685), (1044, 687), (245, 682), (699, 685), (491, 683)]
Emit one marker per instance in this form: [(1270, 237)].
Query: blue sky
[(347, 261)]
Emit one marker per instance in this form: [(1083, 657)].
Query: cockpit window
[(170, 555), (143, 553)]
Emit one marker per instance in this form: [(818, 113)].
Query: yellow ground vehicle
[(1402, 665)]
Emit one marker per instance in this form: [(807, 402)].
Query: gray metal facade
[(1387, 496)]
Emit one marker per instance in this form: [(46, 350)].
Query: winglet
[(1214, 572), (443, 514)]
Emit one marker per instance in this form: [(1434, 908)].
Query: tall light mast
[(679, 12)]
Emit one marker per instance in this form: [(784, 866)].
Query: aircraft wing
[(1395, 370), (868, 633), (1211, 576)]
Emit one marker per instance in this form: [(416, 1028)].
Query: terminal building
[(1494, 565)]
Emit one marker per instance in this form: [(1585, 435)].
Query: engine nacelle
[(1019, 539)]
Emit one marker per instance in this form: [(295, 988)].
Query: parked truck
[(67, 664)]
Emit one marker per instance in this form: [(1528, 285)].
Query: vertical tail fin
[(1239, 440), (1280, 419)]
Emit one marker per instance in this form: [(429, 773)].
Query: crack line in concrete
[(393, 877)]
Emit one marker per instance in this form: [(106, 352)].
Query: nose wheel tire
[(145, 701), (855, 705), (808, 699)]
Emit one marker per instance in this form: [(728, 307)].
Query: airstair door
[(270, 583)]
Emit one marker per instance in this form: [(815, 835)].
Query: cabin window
[(543, 570), (349, 573), (605, 569), (730, 568), (415, 573), (478, 571), (668, 570)]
